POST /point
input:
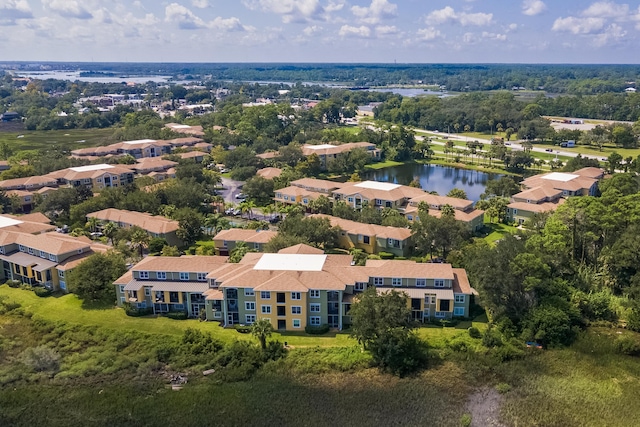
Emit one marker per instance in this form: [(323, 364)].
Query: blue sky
[(464, 31)]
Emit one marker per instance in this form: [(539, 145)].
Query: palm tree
[(139, 239), (262, 330), (247, 207), (92, 224), (218, 203), (448, 211), (110, 230), (527, 145)]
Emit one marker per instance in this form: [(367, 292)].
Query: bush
[(41, 359), (42, 292), (492, 338), (316, 330), (446, 323), (13, 283), (132, 311), (156, 244), (509, 351), (465, 420), (474, 332), (178, 315), (386, 255), (628, 345), (503, 388), (243, 329)]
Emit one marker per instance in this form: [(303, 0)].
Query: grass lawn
[(593, 151), (382, 165), (68, 308), (68, 139), (498, 231)]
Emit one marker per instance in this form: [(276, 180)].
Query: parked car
[(96, 234), (275, 220), (64, 229), (549, 150), (241, 196), (507, 143)]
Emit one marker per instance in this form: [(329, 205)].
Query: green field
[(69, 139), (498, 231), (606, 150)]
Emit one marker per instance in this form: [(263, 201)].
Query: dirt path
[(484, 407)]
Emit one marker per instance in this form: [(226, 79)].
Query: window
[(1, 249), (314, 320), (202, 277), (459, 298), (52, 257), (314, 293), (378, 281), (184, 276), (378, 202), (265, 309), (433, 299), (393, 243), (314, 308), (250, 306), (350, 199), (248, 292), (396, 281), (147, 291), (440, 314), (359, 286), (265, 295), (296, 296), (410, 217), (30, 250), (80, 250), (296, 323), (515, 211), (224, 244), (293, 198), (286, 197), (161, 275), (438, 283), (421, 283), (143, 275), (305, 201), (43, 254), (366, 240), (121, 286), (250, 318), (458, 311), (61, 275), (256, 246), (296, 309)]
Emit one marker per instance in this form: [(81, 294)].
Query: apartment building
[(327, 153), (186, 129), (30, 183), (95, 177), (168, 283), (305, 190), (378, 194), (293, 288), (140, 148), (226, 240), (464, 210), (546, 192), (156, 226), (371, 238)]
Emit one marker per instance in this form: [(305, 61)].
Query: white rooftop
[(291, 262), (139, 141), (319, 147), (560, 176), (5, 221), (180, 127), (375, 185), (91, 168)]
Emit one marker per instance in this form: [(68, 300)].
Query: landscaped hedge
[(243, 329), (42, 292), (316, 330), (13, 283), (177, 315), (386, 255)]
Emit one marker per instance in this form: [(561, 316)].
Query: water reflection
[(436, 178)]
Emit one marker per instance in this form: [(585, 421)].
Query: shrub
[(627, 345), (386, 255), (459, 345), (509, 351), (133, 311), (474, 332), (42, 292), (492, 338), (503, 388), (178, 315), (243, 329), (316, 330), (465, 420), (446, 323), (13, 283), (156, 244), (41, 359)]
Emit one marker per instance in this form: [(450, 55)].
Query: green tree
[(93, 279), (139, 239), (262, 330), (170, 251), (238, 252), (457, 193), (259, 189), (189, 225)]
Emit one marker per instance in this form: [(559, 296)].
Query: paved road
[(230, 189)]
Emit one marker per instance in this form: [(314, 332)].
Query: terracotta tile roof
[(459, 215), (32, 217), (539, 193), (409, 269), (317, 184), (419, 292), (595, 173), (185, 263), (50, 244), (268, 155), (214, 295), (535, 207), (461, 282), (150, 223), (70, 174), (191, 154), (353, 227), (437, 201), (269, 173), (28, 182), (153, 164), (124, 279), (191, 130), (301, 249), (249, 236), (568, 181), (399, 192), (337, 148)]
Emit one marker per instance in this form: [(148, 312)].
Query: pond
[(436, 178)]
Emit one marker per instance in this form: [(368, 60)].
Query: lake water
[(410, 92), (436, 178), (75, 75)]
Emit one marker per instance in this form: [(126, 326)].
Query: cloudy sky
[(534, 31)]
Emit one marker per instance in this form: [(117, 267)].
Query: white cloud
[(350, 31), (494, 36), (67, 8), (11, 10), (576, 25), (296, 11), (429, 34), (607, 9), (311, 30), (533, 7), (200, 4), (386, 30), (613, 34), (377, 11), (187, 20), (228, 24), (448, 14)]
